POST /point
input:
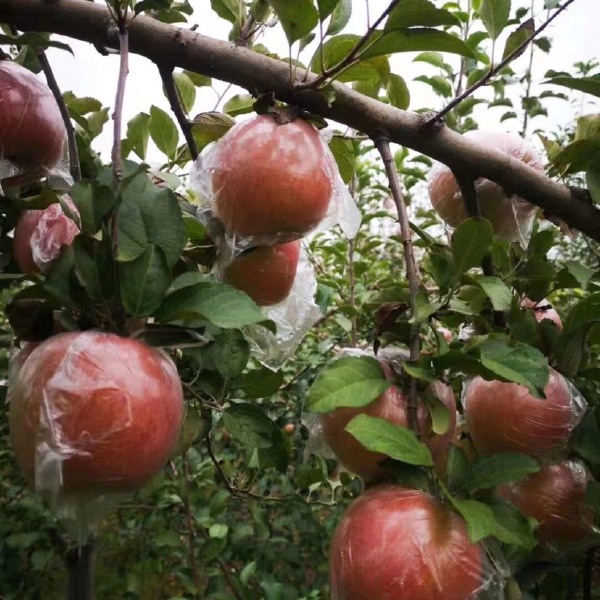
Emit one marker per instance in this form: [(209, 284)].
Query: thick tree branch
[(159, 42)]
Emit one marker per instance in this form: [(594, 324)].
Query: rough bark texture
[(174, 46)]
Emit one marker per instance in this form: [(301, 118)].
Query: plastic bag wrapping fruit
[(32, 131), (505, 417), (328, 437), (294, 316), (394, 542), (264, 183), (555, 497), (92, 418), (40, 235), (511, 216)]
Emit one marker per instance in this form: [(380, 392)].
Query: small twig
[(352, 55), (221, 95), (117, 115), (74, 166), (190, 525), (494, 71), (166, 74), (382, 144)]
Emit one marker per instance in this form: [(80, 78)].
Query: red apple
[(505, 417), (271, 181), (94, 412), (40, 235), (510, 216), (391, 406), (542, 310), (555, 497), (265, 273), (395, 543), (32, 132)]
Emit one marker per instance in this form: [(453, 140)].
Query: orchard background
[(247, 506)]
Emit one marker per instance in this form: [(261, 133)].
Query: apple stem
[(117, 115), (466, 183), (166, 74), (81, 562)]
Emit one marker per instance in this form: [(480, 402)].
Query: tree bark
[(171, 46)]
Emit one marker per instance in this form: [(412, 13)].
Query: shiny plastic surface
[(395, 543), (32, 132), (93, 413), (511, 216), (391, 406), (40, 235), (265, 273), (505, 417), (555, 497)]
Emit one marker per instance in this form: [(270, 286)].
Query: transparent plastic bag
[(505, 417), (511, 216), (92, 418), (267, 183), (394, 542), (32, 131)]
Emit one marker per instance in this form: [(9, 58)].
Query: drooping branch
[(257, 73)]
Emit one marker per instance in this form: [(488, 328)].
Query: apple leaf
[(345, 156), (588, 85), (138, 134), (517, 38), (259, 383), (186, 90), (418, 13), (339, 17), (249, 425), (490, 471), (399, 443), (471, 241), (479, 517), (209, 127), (326, 7), (240, 104), (495, 289), (212, 301), (586, 438), (298, 18), (228, 354), (163, 131), (349, 381), (513, 527), (397, 92), (494, 15), (457, 468)]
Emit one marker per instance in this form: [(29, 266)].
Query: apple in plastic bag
[(555, 497), (265, 273), (510, 216), (271, 181), (39, 236), (505, 417), (32, 132), (391, 406), (94, 412), (395, 543)]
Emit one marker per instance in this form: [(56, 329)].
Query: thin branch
[(382, 143), (166, 74), (190, 525), (117, 115), (493, 72), (74, 165), (352, 55)]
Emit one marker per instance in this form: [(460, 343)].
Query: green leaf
[(397, 92), (228, 354), (586, 438), (209, 127), (198, 79), (138, 133), (589, 85), (471, 241), (494, 15), (399, 443), (418, 13), (345, 157), (149, 215), (259, 383), (230, 10), (414, 40), (326, 7), (490, 471), (515, 361), (496, 290), (592, 179), (479, 517), (144, 281), (518, 38), (512, 527), (348, 381), (186, 90), (163, 131), (340, 17), (298, 18), (213, 301), (239, 104)]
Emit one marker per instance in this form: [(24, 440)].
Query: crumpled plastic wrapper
[(328, 438), (394, 542), (555, 497), (93, 417), (32, 132), (44, 233), (293, 318), (223, 173), (512, 216), (505, 417)]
